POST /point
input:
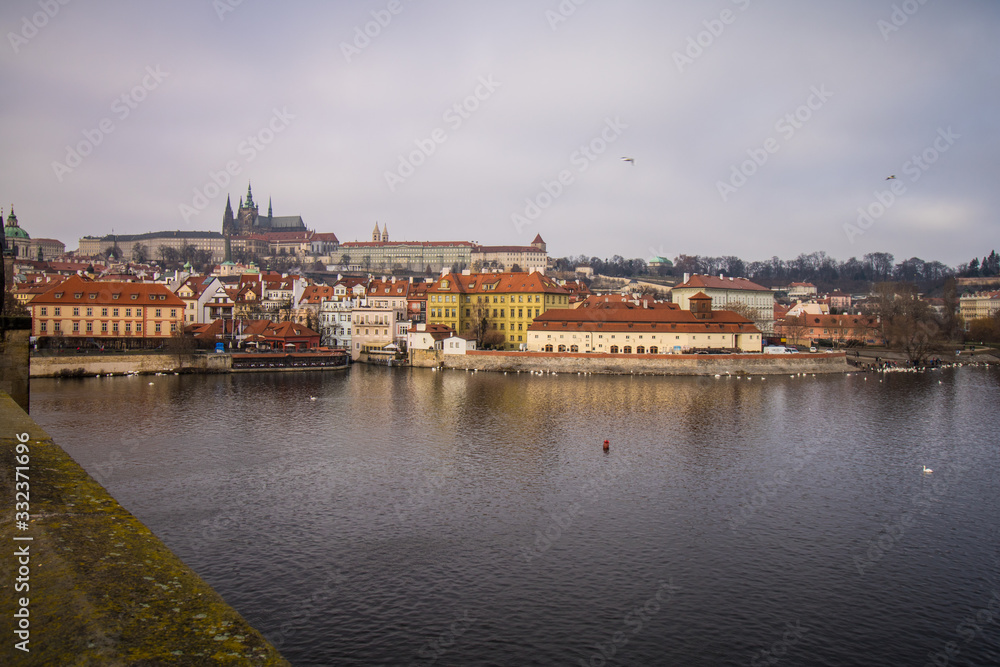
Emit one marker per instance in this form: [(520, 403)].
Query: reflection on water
[(411, 516)]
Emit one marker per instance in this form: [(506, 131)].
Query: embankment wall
[(618, 364), (118, 364)]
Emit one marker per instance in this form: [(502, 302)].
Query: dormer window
[(78, 295), (135, 296), (115, 296), (58, 295)]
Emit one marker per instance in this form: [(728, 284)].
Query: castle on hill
[(248, 220)]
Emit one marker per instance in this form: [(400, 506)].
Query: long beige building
[(151, 243), (978, 306), (640, 327)]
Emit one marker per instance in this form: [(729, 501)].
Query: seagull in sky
[(630, 159), (889, 178)]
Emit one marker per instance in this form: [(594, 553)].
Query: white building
[(725, 291)]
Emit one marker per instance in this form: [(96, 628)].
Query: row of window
[(57, 311), (43, 327), (614, 349), (93, 295)]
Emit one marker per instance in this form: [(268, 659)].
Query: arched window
[(548, 348), (627, 349), (614, 349), (640, 350), (562, 348), (654, 350), (574, 348)]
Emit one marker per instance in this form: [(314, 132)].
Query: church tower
[(385, 233), (228, 220), (375, 234), (248, 213)]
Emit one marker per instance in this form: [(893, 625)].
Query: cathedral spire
[(375, 234), (249, 196), (269, 215)]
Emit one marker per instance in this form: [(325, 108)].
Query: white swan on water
[(927, 470)]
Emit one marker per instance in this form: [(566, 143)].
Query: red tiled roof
[(663, 317), (715, 282), (76, 290), (399, 288)]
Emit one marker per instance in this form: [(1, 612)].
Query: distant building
[(529, 258), (724, 291), (247, 219), (152, 243), (807, 329), (801, 291), (382, 255), (18, 241), (978, 306)]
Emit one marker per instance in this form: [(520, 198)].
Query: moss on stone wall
[(104, 589)]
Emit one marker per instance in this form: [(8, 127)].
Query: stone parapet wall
[(619, 364), (14, 338), (97, 587), (119, 364)]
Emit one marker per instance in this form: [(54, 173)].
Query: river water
[(408, 516)]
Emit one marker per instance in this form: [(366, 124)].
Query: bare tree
[(907, 322)]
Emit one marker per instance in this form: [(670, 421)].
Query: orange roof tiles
[(76, 290), (715, 282)]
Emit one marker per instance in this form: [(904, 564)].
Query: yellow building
[(496, 308)]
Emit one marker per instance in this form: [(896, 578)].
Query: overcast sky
[(757, 127)]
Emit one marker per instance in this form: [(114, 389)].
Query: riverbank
[(631, 364), (82, 365), (95, 585)]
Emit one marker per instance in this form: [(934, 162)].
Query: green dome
[(12, 230)]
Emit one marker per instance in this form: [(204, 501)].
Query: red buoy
[(607, 445)]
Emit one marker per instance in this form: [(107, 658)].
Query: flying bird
[(630, 159), (889, 178)]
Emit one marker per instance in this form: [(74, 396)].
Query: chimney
[(687, 276), (722, 277)]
